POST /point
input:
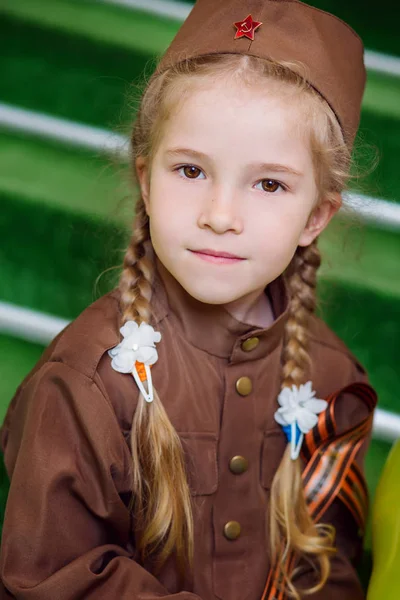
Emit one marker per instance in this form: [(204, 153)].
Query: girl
[(199, 433)]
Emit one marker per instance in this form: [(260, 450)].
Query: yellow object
[(244, 386), (238, 465), (385, 580), (232, 530), (250, 344)]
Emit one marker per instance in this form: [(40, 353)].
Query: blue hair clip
[(298, 414), (293, 432)]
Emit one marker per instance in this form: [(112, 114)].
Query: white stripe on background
[(371, 210), (28, 324), (374, 61), (162, 8), (41, 328), (386, 425), (60, 130), (382, 63), (374, 210)]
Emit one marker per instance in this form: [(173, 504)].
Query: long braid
[(136, 279), (290, 521), (302, 281), (160, 493)]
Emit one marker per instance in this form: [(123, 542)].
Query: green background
[(66, 212)]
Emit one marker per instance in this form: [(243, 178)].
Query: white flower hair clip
[(298, 413), (136, 354)]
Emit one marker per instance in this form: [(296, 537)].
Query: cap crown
[(291, 31)]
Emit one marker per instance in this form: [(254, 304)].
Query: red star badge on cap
[(246, 28)]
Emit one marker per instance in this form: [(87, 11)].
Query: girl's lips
[(222, 257)]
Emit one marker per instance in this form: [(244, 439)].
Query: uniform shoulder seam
[(61, 352)]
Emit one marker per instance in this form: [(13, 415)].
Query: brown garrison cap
[(287, 30)]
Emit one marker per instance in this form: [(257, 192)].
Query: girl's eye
[(191, 172), (270, 185)]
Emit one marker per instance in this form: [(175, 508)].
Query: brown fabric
[(291, 31), (68, 534)]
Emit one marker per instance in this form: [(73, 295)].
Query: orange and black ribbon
[(331, 472)]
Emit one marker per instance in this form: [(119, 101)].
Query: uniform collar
[(210, 327)]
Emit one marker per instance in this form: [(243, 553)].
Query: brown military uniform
[(68, 534)]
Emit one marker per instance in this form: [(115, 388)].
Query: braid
[(290, 521), (302, 281), (137, 276), (160, 492)]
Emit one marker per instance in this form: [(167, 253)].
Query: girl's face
[(232, 174)]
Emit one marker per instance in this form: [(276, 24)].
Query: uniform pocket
[(200, 450), (273, 447)]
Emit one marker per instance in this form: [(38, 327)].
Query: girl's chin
[(207, 293)]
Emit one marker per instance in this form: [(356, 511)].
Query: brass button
[(250, 344), (232, 530), (238, 465), (244, 386)]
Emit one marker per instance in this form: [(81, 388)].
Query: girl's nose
[(220, 214)]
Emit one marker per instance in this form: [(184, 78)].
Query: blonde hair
[(161, 496)]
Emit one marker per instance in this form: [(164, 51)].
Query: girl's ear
[(143, 176), (319, 219)]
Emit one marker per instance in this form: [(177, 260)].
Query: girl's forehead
[(240, 94), (237, 112)]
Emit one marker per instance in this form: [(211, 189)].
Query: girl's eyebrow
[(275, 167), (187, 151)]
